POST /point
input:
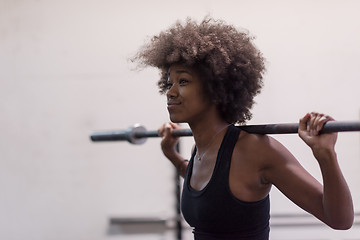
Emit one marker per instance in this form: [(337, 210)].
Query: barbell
[(138, 134)]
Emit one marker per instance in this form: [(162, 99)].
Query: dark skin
[(258, 161)]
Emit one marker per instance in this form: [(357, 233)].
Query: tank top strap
[(227, 147), (222, 166)]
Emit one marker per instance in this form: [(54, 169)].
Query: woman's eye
[(183, 81), (168, 85)]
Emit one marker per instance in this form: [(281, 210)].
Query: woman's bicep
[(297, 184)]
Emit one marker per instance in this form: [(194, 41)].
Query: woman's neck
[(207, 131)]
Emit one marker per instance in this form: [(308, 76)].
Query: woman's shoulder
[(250, 140), (262, 147)]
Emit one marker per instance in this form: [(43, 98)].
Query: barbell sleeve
[(138, 134)]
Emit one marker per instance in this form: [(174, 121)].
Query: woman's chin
[(176, 119)]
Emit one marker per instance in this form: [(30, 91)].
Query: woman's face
[(186, 99)]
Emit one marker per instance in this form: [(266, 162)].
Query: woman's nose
[(172, 91)]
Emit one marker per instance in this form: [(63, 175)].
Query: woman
[(210, 73)]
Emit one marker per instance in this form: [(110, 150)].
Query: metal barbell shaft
[(288, 128), (138, 134)]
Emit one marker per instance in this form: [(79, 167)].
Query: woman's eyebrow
[(179, 72), (183, 71)]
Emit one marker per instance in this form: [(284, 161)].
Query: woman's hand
[(309, 128), (168, 142), (168, 146)]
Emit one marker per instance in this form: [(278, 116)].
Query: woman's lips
[(172, 105)]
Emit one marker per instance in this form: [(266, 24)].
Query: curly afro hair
[(230, 65)]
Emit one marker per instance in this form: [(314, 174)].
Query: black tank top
[(214, 212)]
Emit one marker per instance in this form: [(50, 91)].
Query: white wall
[(64, 73)]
